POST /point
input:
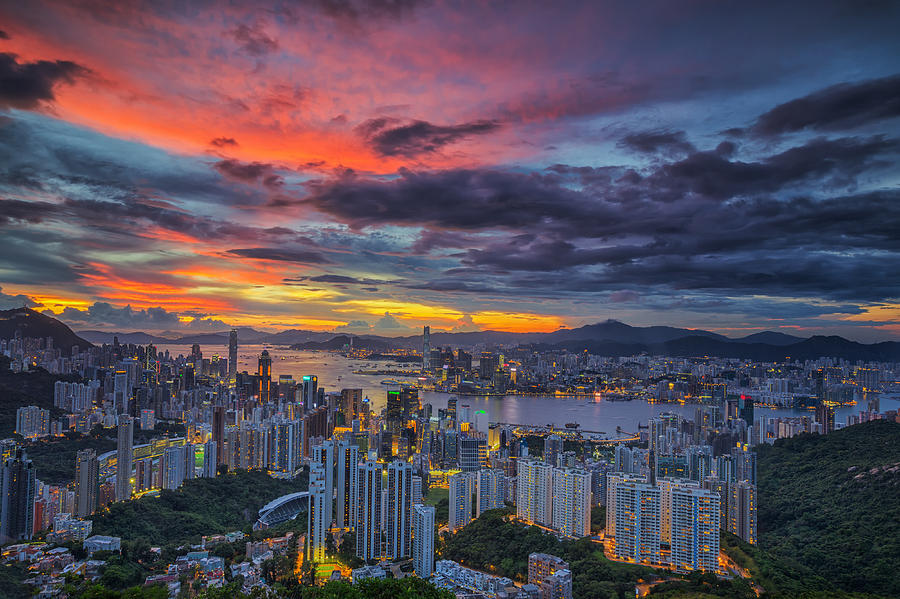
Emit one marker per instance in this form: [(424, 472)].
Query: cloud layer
[(384, 165)]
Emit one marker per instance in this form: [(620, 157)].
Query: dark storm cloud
[(281, 255), (253, 40), (389, 137), (344, 280), (531, 252), (487, 199), (450, 285), (846, 223), (3, 35), (26, 85), (430, 239), (841, 106), (31, 256), (711, 174), (221, 142), (792, 274), (456, 199), (19, 210), (250, 172), (707, 221), (660, 141), (354, 11), (132, 217)]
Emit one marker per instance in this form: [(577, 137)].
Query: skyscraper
[(310, 391), (695, 529), (317, 518), (232, 353), (324, 454), (553, 448), (17, 490), (745, 463), (612, 481), (177, 465), (124, 457), (286, 446), (347, 473), (210, 459), (491, 492), (637, 522), (825, 417), (534, 492), (121, 392), (460, 500), (423, 540), (426, 348), (393, 411), (572, 502), (368, 518), (218, 434), (264, 390), (399, 510), (351, 404), (742, 510), (472, 452), (409, 402), (87, 482)]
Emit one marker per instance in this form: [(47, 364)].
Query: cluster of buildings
[(549, 577), (50, 566), (668, 491), (666, 504)]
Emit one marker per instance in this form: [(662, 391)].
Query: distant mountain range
[(610, 338), (611, 330), (28, 323)]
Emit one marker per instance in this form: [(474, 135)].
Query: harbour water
[(335, 372)]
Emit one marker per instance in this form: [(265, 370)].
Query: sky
[(523, 166)]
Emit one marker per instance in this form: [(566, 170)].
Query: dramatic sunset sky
[(376, 166)]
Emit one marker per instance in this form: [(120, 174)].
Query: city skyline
[(376, 167)]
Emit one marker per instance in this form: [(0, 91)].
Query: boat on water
[(390, 382), (572, 425)]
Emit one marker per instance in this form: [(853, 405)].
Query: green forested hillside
[(831, 503), (202, 506)]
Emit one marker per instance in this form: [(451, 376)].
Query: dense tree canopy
[(830, 505), (202, 506)]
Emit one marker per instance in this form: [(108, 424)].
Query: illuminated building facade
[(347, 484), (318, 521), (423, 540), (232, 353), (742, 511), (491, 491), (399, 510), (637, 522), (368, 518), (694, 529), (534, 492), (460, 500), (571, 502), (264, 372), (17, 494), (87, 482), (124, 457)]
